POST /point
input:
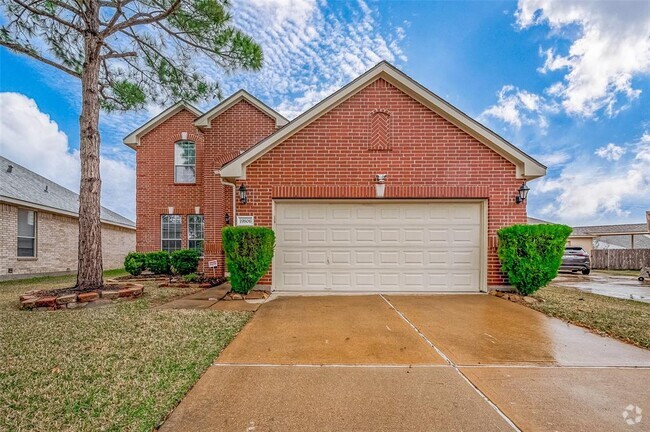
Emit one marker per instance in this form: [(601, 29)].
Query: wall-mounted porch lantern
[(227, 217), (380, 185), (523, 193), (243, 194)]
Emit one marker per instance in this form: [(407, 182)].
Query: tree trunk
[(90, 270)]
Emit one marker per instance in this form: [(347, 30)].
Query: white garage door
[(397, 246)]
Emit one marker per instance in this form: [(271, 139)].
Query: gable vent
[(380, 131)]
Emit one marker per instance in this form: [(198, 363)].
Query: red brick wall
[(155, 187), (429, 158), (232, 131)]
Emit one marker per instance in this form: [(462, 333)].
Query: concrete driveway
[(416, 363)]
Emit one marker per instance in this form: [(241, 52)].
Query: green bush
[(185, 261), (134, 263), (249, 251), (531, 255), (192, 277), (158, 262)]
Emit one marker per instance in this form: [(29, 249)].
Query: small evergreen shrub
[(192, 277), (185, 261), (134, 263), (531, 255), (249, 251), (158, 262)]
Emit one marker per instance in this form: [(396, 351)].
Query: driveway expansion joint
[(332, 365), (455, 367)]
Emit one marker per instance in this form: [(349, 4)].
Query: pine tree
[(127, 53)]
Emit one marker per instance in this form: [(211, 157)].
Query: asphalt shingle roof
[(611, 229), (27, 186)]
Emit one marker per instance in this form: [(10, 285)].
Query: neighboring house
[(382, 186), (623, 236), (39, 226)]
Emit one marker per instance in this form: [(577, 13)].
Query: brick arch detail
[(190, 137), (226, 157)]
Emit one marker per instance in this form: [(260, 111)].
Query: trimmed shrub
[(249, 251), (192, 277), (531, 255), (134, 263), (185, 261), (158, 262)]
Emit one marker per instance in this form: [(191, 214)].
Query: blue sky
[(568, 82)]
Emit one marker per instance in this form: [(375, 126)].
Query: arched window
[(380, 131), (184, 162)]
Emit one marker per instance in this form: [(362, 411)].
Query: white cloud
[(610, 152), (32, 139), (517, 107), (553, 159), (588, 190), (310, 49), (612, 47)]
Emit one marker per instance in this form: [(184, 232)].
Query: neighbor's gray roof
[(597, 230), (25, 187), (535, 221), (610, 229)]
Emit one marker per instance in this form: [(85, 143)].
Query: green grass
[(627, 320), (122, 367)]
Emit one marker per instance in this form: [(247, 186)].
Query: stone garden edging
[(43, 300)]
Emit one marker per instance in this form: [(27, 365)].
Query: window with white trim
[(195, 227), (171, 233), (26, 238), (184, 162)]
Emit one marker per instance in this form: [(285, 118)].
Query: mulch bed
[(177, 282), (252, 295), (173, 281), (514, 297)]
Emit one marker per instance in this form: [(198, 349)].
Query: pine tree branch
[(30, 52), (115, 54), (141, 18), (62, 6), (40, 12)]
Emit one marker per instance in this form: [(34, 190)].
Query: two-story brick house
[(382, 186)]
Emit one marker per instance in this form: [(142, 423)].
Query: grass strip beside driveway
[(626, 320), (117, 368)]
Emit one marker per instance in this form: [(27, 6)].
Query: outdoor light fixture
[(380, 186), (523, 193), (243, 194), (227, 219)]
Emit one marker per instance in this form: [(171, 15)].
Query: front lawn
[(117, 368), (627, 320)]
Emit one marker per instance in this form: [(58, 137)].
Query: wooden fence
[(620, 259)]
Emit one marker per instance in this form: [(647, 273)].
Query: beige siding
[(585, 243), (56, 244)]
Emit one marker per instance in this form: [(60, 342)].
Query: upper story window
[(26, 233), (185, 162)]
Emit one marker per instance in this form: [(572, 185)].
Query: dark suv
[(576, 259)]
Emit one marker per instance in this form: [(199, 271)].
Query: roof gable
[(133, 139), (205, 121), (527, 167)]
